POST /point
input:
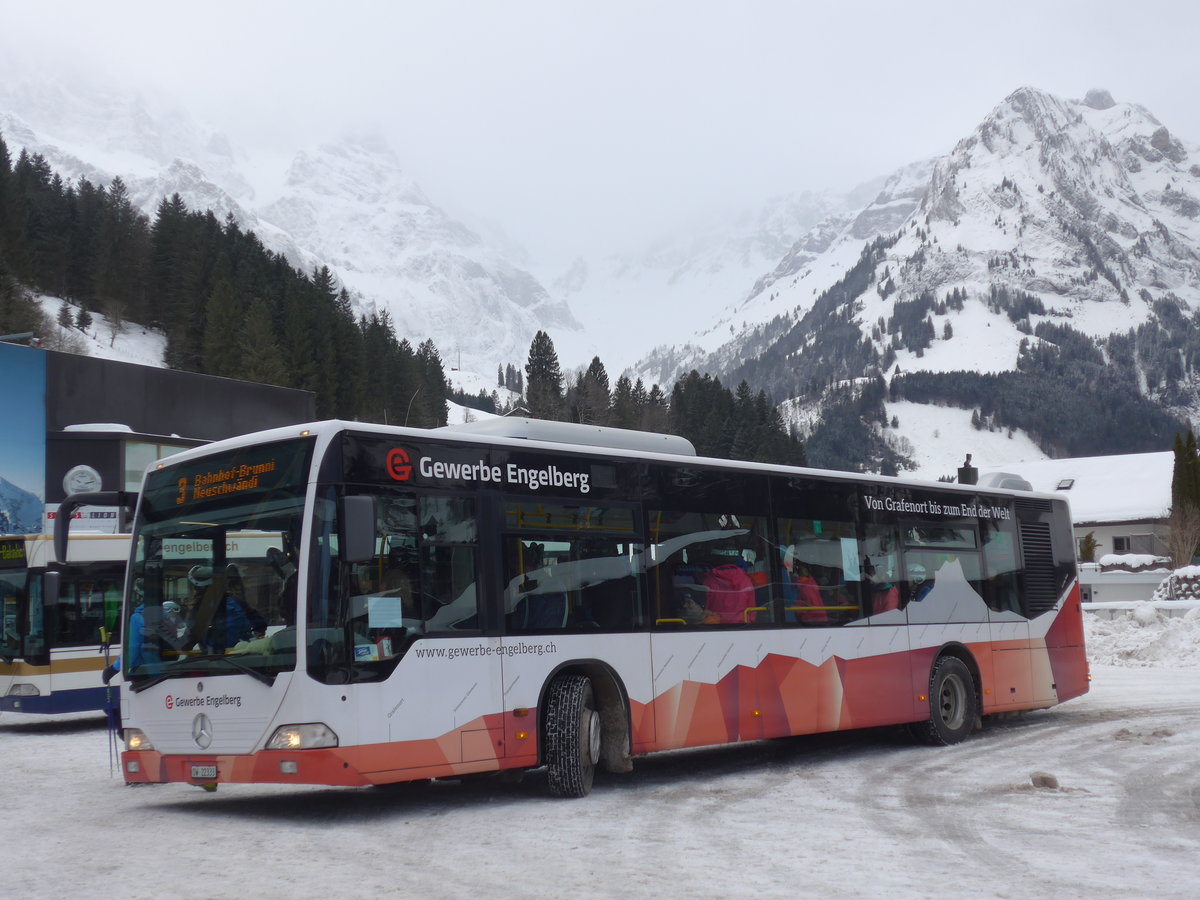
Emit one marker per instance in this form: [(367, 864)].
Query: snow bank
[(1132, 560), (1144, 637)]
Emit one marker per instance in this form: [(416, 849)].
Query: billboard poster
[(23, 450)]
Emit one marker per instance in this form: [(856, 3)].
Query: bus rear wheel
[(953, 706), (573, 734)]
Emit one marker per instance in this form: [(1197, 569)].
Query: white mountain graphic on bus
[(953, 599)]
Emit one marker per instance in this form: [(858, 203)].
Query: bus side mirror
[(358, 529), (125, 501)]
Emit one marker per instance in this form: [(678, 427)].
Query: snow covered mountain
[(348, 205), (681, 286), (20, 510), (1092, 207), (817, 248), (1053, 220)]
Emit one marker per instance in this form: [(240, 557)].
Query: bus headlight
[(135, 739), (302, 737), (23, 689)]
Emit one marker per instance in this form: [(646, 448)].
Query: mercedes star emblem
[(202, 731)]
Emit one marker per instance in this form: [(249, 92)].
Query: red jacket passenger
[(730, 594)]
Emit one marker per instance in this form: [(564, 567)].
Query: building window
[(140, 454), (1120, 545)]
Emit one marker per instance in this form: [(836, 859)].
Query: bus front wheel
[(573, 735), (953, 706)]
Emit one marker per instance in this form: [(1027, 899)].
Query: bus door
[(947, 585), (883, 680), (11, 627), (87, 609), (569, 589), (13, 609), (415, 614), (1011, 681), (708, 592)]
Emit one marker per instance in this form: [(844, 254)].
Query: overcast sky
[(568, 122)]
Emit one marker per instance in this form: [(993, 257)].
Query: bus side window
[(819, 571), (1001, 582), (569, 567), (447, 536), (713, 558), (880, 566), (75, 614)]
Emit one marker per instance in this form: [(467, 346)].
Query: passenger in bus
[(140, 650), (920, 584), (884, 594), (199, 578), (730, 591), (808, 596), (172, 629), (234, 620), (694, 613)]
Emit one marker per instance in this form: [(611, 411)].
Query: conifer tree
[(1184, 519), (655, 412), (258, 356), (223, 323), (624, 412), (433, 384), (351, 362), (592, 398), (120, 242), (543, 384)]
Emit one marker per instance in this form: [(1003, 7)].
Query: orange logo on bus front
[(398, 465)]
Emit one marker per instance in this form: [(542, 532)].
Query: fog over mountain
[(347, 204), (1060, 239)]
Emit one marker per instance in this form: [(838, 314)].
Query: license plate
[(204, 773)]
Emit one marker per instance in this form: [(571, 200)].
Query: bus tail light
[(135, 739), (302, 737)]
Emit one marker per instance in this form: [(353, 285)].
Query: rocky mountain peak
[(1099, 98)]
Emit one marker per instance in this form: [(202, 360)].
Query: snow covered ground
[(850, 815)]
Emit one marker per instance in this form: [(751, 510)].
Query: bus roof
[(574, 433), (546, 434)]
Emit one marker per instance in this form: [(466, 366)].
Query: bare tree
[(116, 320), (1185, 534)]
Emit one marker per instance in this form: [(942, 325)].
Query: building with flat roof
[(77, 423), (1124, 500)]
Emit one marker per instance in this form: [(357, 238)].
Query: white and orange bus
[(516, 594), (55, 633)]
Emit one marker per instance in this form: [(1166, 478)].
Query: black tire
[(572, 736), (953, 706)]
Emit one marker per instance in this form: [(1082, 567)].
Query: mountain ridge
[(1052, 218), (348, 205)]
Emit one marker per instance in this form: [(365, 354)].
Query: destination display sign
[(12, 553), (244, 473), (219, 482)]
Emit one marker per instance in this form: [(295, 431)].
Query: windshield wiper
[(208, 657), (241, 667)]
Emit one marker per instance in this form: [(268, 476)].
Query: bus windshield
[(215, 561)]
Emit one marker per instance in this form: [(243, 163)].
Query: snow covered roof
[(1101, 489)]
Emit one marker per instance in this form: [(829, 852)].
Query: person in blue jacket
[(135, 642), (234, 620)]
